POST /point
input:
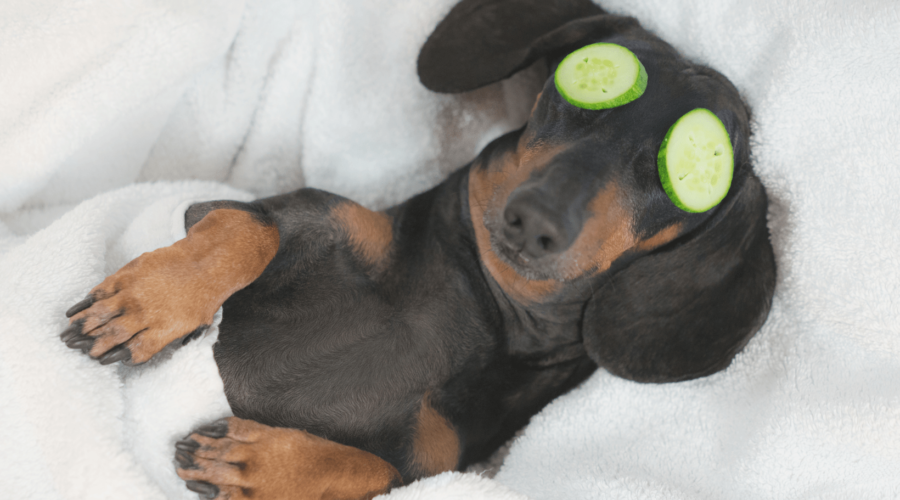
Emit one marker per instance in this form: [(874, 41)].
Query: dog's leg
[(237, 459), (174, 291)]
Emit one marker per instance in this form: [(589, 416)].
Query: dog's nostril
[(534, 226), (543, 239), (545, 242), (514, 228), (512, 218)]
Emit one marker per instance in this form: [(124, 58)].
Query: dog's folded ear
[(685, 310), (484, 41)]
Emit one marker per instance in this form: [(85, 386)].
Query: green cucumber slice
[(696, 161), (600, 76)]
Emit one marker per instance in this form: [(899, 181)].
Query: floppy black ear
[(484, 41), (685, 310)]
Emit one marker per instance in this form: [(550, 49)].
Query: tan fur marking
[(606, 235), (169, 292), (609, 224), (370, 233), (661, 238), (489, 189), (536, 101), (436, 445), (274, 463)]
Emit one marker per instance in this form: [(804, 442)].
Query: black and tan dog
[(361, 350)]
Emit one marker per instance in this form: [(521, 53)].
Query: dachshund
[(362, 350)]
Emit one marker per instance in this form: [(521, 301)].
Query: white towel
[(267, 96)]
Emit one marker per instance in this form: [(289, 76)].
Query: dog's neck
[(540, 334)]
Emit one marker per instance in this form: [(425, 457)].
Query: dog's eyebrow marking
[(435, 445), (660, 238), (370, 233)]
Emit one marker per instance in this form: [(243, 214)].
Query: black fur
[(325, 343)]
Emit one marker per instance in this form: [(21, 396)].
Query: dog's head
[(574, 203)]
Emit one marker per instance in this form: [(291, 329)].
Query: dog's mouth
[(512, 256), (529, 267)]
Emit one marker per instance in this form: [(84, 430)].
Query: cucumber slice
[(696, 161), (600, 76)]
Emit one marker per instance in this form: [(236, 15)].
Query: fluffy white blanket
[(255, 98)]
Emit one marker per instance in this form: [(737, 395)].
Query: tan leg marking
[(169, 292), (436, 445), (272, 463), (370, 233)]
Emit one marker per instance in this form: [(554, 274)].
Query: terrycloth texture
[(257, 94), (455, 486), (269, 95)]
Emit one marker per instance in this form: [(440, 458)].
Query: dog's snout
[(535, 227)]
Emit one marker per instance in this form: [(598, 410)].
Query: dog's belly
[(338, 358)]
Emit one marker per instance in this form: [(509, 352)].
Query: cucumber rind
[(634, 91), (663, 166)]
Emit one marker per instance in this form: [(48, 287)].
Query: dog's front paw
[(133, 314), (237, 459)]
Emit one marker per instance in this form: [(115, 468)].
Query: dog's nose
[(535, 227)]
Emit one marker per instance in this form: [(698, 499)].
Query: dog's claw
[(81, 306), (184, 459), (205, 490), (80, 341), (187, 445), (71, 331), (215, 430), (118, 353)]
